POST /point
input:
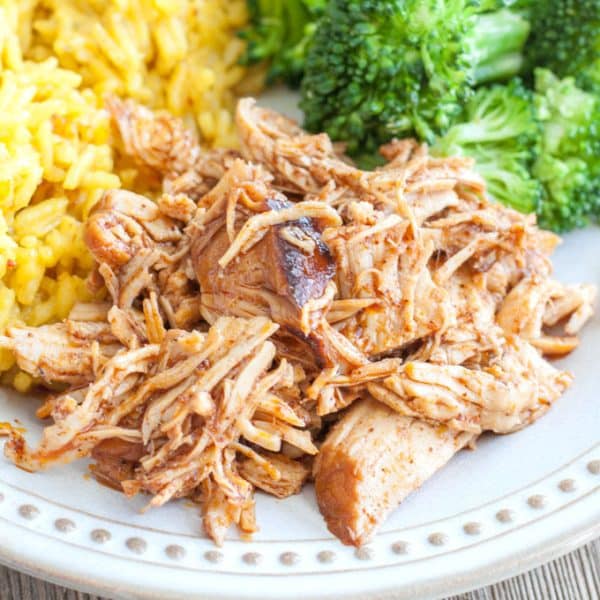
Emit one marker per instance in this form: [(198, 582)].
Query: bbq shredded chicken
[(278, 314)]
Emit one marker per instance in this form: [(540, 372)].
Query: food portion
[(513, 84), (59, 62), (278, 313), (180, 55), (56, 163), (373, 458), (222, 302), (165, 414)]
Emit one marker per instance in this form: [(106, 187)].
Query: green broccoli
[(565, 38), (569, 161), (279, 33), (382, 68), (538, 151), (499, 129)]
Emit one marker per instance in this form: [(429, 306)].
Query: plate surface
[(516, 501)]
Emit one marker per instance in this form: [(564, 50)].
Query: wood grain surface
[(575, 576)]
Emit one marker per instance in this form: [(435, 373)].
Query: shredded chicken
[(141, 250), (63, 352), (161, 143), (164, 417), (278, 310)]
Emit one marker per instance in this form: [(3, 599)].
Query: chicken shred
[(278, 311)]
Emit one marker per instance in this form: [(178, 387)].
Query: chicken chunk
[(513, 391), (371, 461), (292, 475), (162, 144), (384, 262), (281, 267)]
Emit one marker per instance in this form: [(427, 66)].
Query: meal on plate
[(222, 303)]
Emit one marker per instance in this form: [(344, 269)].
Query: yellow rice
[(58, 59), (176, 54)]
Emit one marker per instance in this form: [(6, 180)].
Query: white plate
[(517, 501)]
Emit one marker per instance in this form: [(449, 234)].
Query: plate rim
[(491, 571), (542, 538)]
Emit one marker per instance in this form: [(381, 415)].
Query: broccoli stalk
[(499, 129), (497, 44), (382, 68), (279, 33)]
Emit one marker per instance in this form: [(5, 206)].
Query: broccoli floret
[(538, 151), (569, 160), (499, 129), (279, 33), (382, 68), (565, 38)]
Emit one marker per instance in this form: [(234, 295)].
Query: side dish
[(58, 60), (514, 84), (277, 304)]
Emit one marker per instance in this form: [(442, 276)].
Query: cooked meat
[(511, 392), (280, 295), (193, 398), (572, 302), (115, 461), (306, 164), (273, 140), (552, 345), (141, 250), (162, 143), (90, 311), (123, 224), (292, 474), (371, 460), (61, 353), (383, 261), (256, 253), (537, 302)]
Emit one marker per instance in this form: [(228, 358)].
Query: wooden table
[(575, 576)]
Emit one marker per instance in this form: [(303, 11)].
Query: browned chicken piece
[(424, 173), (63, 352), (371, 460), (287, 150), (256, 253), (571, 303), (522, 310), (472, 337), (123, 224), (500, 244), (141, 250), (156, 139), (161, 142), (115, 461), (95, 312), (398, 153)]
